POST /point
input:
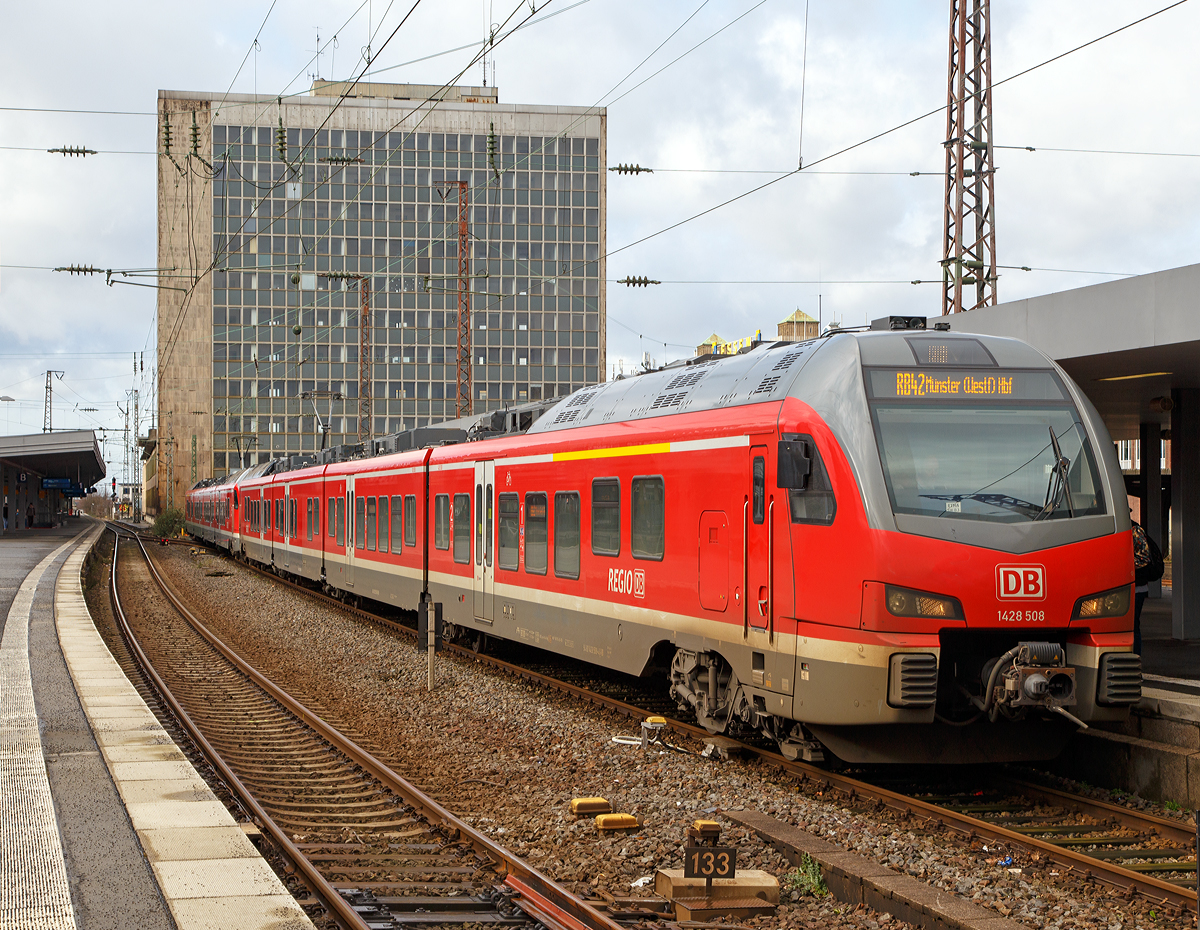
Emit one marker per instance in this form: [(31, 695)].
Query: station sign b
[(1021, 582)]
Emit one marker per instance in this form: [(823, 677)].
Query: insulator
[(631, 169), (166, 134), (195, 135), (281, 141), (637, 281)]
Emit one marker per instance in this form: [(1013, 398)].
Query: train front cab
[(972, 600)]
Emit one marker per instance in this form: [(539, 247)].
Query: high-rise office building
[(272, 212)]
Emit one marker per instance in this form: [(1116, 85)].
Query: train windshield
[(1016, 457)]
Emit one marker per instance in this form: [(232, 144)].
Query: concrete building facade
[(260, 199)]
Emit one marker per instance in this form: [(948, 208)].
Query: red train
[(892, 546)]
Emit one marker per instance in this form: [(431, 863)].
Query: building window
[(606, 516), (648, 518), (566, 534)]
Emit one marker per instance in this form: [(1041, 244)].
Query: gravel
[(508, 757)]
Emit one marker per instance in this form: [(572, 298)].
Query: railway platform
[(103, 821)]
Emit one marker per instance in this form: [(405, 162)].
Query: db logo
[(623, 581), (1021, 582)]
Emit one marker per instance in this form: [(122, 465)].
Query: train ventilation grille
[(767, 385), (580, 399), (1120, 678), (688, 378), (668, 400), (913, 680), (565, 416), (786, 362)]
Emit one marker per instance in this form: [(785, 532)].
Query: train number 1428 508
[(1020, 616)]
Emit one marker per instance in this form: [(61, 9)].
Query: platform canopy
[(73, 454)]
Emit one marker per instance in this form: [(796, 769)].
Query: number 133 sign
[(709, 862)]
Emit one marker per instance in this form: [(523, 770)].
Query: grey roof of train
[(769, 372)]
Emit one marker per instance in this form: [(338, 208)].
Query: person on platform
[(1147, 567), (29, 513)]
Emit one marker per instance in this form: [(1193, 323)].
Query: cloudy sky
[(712, 124)]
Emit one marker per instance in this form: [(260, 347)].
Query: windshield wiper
[(1059, 485)]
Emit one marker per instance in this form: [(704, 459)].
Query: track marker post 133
[(703, 858)]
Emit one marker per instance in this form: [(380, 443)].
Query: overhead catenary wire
[(893, 129)]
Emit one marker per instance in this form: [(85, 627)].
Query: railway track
[(1130, 852), (373, 850)]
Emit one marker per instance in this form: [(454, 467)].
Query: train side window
[(535, 534), (341, 521), (479, 524), (566, 534), (648, 518), (462, 528), (510, 532), (410, 520), (759, 504), (491, 529), (397, 509), (606, 516), (267, 507), (441, 521), (815, 502), (308, 518), (360, 522), (370, 527), (332, 518), (316, 518), (385, 524)]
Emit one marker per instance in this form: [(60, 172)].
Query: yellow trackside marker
[(652, 448), (590, 806), (617, 822)]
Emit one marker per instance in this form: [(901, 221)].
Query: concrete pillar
[(1185, 514), (1151, 474)]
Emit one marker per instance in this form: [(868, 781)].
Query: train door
[(757, 527), (353, 526), (485, 495)]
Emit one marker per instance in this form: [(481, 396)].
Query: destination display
[(941, 384)]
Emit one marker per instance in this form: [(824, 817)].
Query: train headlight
[(1114, 603), (904, 602)]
